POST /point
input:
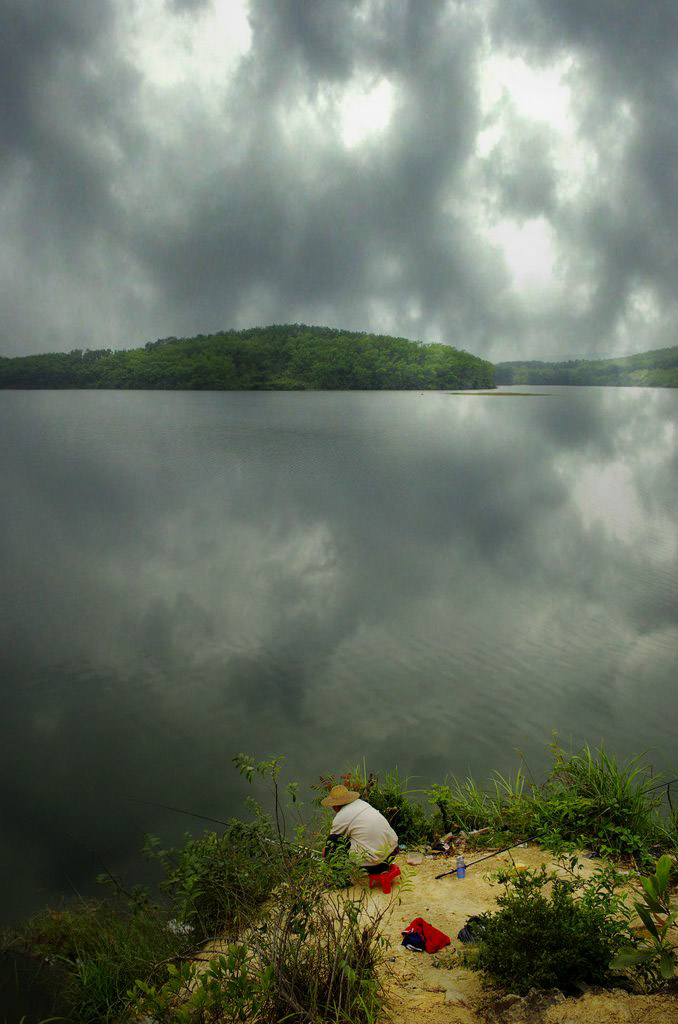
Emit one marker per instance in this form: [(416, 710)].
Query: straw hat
[(338, 796)]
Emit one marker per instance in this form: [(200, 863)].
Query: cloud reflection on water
[(427, 580)]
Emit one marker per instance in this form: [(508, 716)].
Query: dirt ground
[(436, 989)]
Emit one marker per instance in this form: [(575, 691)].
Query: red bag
[(433, 938)]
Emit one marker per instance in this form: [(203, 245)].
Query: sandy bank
[(431, 989)]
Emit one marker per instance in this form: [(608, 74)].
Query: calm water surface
[(427, 580)]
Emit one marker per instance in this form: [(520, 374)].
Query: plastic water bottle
[(461, 867)]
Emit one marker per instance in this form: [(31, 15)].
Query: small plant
[(228, 989), (657, 955)]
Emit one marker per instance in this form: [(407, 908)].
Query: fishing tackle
[(489, 856)]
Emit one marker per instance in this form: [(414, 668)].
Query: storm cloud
[(500, 177)]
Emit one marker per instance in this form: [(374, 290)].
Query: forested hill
[(293, 357), (657, 369)]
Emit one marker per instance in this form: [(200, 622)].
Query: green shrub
[(546, 939), (212, 879)]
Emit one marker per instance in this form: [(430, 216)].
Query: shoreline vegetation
[(655, 369), (296, 357), (277, 358), (294, 943)]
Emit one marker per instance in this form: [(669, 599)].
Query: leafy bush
[(213, 879), (546, 939), (656, 957)]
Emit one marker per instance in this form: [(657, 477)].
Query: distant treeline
[(287, 357), (657, 369)]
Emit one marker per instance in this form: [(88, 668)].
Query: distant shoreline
[(284, 357)]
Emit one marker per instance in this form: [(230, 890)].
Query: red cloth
[(433, 938)]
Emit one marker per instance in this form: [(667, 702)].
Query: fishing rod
[(660, 785), (488, 856), (216, 821), (179, 810)]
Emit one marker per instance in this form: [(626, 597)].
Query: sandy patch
[(436, 988)]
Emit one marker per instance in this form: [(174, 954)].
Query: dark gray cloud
[(184, 166)]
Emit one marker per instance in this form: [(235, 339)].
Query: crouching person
[(360, 830)]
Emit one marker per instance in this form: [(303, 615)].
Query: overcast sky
[(502, 177)]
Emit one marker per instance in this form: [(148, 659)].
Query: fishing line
[(217, 821)]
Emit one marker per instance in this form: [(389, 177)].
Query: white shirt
[(372, 838)]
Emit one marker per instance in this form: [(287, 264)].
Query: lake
[(426, 581)]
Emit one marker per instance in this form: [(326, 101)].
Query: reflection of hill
[(293, 357), (657, 369)]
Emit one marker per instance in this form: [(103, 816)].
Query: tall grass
[(588, 798), (610, 805), (96, 951)]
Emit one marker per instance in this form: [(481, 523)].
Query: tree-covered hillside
[(287, 357), (657, 369)]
